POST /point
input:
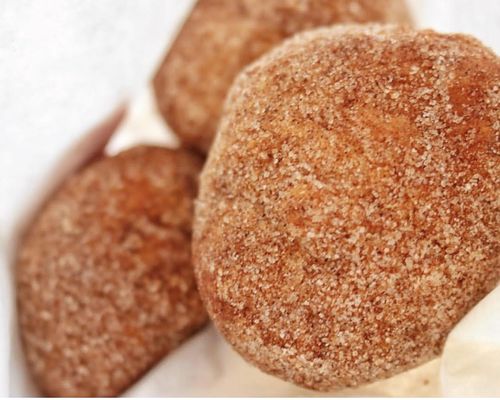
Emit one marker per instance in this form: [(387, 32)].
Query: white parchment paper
[(64, 65)]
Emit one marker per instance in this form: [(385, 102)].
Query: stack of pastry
[(346, 216)]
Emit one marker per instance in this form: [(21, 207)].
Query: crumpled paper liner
[(471, 358)]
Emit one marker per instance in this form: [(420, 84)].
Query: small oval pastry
[(105, 284), (220, 37), (348, 214)]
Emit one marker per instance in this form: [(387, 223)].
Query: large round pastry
[(348, 214)]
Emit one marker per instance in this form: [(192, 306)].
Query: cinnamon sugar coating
[(349, 210), (220, 37), (105, 283)]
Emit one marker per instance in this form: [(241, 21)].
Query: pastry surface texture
[(348, 214)]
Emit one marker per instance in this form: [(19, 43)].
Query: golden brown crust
[(349, 209), (220, 37), (104, 277)]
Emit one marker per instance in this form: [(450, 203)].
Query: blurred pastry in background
[(105, 283), (220, 37)]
